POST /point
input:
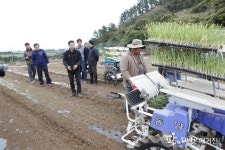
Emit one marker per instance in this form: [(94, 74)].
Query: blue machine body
[(219, 111), (109, 60), (215, 121), (172, 77), (175, 119), (172, 119)]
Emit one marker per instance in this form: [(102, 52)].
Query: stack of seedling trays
[(188, 48)]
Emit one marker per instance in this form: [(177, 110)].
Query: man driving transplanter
[(132, 63)]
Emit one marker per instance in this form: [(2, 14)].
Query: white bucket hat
[(136, 43)]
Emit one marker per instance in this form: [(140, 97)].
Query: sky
[(52, 23)]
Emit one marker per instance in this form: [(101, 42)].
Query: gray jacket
[(28, 54), (81, 50)]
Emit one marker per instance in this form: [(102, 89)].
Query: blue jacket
[(39, 58)]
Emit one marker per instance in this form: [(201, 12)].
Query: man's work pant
[(71, 75), (31, 69), (93, 73), (84, 71), (40, 75)]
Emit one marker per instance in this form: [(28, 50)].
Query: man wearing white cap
[(132, 63)]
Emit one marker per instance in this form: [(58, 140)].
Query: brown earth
[(34, 117), (27, 125), (38, 125)]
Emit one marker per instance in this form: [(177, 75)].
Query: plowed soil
[(44, 118)]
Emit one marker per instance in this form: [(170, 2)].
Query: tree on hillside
[(130, 13), (107, 35), (219, 17), (95, 34), (162, 2), (146, 5), (133, 34), (123, 17), (140, 8), (126, 15), (176, 5), (112, 29), (133, 20), (135, 11), (102, 34)]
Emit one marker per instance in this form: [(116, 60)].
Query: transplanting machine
[(192, 120)]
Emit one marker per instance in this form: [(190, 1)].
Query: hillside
[(133, 25)]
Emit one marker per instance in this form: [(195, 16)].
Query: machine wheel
[(108, 77), (153, 146)]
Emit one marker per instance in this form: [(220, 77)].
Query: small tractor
[(112, 71)]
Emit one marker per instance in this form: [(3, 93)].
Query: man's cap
[(136, 43)]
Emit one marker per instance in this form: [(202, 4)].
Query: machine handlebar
[(116, 93), (120, 95)]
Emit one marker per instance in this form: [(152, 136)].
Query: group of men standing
[(75, 59), (37, 59)]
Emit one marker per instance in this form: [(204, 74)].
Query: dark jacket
[(86, 52), (93, 56), (72, 58), (39, 58)]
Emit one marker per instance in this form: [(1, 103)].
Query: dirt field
[(33, 117)]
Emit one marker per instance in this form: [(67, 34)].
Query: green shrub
[(201, 7)]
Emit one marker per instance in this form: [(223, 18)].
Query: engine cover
[(173, 119), (215, 121)]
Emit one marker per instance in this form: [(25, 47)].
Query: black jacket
[(72, 58), (93, 56), (86, 52)]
